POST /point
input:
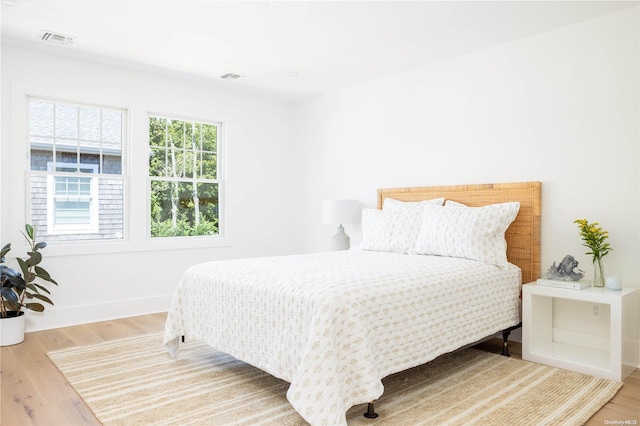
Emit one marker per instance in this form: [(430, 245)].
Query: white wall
[(139, 276), (561, 108)]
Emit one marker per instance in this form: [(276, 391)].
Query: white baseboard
[(54, 317)]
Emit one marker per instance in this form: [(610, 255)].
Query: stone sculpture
[(565, 271)]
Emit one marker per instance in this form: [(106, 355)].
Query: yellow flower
[(594, 238)]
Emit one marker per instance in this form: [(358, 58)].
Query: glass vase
[(598, 273)]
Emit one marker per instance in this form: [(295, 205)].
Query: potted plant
[(20, 290)]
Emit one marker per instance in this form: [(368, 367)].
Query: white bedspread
[(334, 324)]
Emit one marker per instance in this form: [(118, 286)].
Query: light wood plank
[(33, 392)]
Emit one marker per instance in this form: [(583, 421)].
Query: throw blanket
[(334, 324)]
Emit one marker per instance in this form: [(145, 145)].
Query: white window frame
[(222, 235), (94, 174)]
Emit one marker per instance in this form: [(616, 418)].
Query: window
[(71, 201), (76, 163), (184, 177)]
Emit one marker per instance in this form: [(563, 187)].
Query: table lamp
[(339, 212)]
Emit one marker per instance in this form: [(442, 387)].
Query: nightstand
[(592, 331)]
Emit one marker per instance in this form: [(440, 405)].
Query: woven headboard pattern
[(523, 236)]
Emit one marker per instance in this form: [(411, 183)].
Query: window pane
[(208, 201), (183, 163), (90, 124), (209, 165), (66, 162), (188, 136), (41, 119), (72, 204), (112, 126), (178, 209), (61, 186), (157, 161), (66, 122), (112, 163), (72, 213), (94, 133), (210, 137), (89, 163), (41, 158), (112, 142), (184, 156), (189, 163), (157, 131), (176, 133), (72, 188)]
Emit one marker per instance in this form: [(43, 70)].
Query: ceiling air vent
[(55, 38), (230, 76)]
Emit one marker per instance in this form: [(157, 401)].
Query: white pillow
[(395, 227), (475, 233)]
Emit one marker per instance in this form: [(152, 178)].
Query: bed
[(335, 324)]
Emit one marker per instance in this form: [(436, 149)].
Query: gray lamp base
[(340, 241)]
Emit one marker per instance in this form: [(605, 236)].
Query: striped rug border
[(135, 381)]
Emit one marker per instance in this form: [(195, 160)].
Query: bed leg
[(505, 343), (505, 339), (371, 412)]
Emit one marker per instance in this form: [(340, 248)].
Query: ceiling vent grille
[(230, 76), (55, 38)]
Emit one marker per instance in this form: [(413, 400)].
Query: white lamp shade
[(339, 212)]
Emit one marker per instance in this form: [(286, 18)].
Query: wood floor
[(33, 392)]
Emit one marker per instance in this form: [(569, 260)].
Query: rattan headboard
[(523, 236)]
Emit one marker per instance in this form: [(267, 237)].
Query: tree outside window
[(184, 177)]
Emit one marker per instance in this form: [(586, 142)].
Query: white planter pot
[(12, 330)]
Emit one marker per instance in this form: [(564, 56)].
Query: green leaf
[(43, 274), (35, 307), (38, 288), (40, 245), (30, 231), (11, 306), (30, 277), (34, 258), (23, 266), (43, 298), (6, 249)]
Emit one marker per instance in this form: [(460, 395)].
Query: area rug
[(136, 382)]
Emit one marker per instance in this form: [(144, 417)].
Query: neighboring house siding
[(110, 196)]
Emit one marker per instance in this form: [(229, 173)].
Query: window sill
[(112, 247)]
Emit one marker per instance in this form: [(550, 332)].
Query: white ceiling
[(286, 49)]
